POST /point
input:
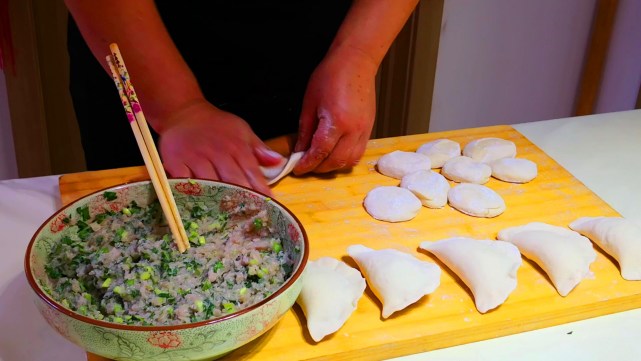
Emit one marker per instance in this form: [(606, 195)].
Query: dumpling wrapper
[(489, 149), (619, 237), (487, 267), (428, 186), (397, 279), (330, 293), (399, 163), (391, 204), (440, 150), (275, 173), (562, 253)]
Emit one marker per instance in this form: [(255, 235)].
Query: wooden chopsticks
[(146, 145)]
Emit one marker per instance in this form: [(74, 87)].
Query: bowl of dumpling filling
[(108, 276)]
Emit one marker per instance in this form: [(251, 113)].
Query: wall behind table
[(8, 167), (508, 61)]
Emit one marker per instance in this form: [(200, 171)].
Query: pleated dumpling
[(619, 237), (487, 267), (397, 279), (330, 293), (563, 254)]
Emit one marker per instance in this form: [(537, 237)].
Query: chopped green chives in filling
[(123, 266)]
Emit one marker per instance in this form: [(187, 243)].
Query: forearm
[(162, 79), (370, 27)]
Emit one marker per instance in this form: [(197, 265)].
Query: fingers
[(306, 127), (323, 142), (177, 170)]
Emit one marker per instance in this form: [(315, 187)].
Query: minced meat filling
[(124, 267)]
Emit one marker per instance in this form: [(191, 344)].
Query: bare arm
[(339, 106), (196, 138), (152, 59)]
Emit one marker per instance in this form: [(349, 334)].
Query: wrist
[(356, 57)]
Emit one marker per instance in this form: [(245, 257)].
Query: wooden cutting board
[(330, 208)]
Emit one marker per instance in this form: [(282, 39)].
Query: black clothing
[(252, 58)]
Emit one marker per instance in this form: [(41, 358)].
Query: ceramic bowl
[(204, 340)]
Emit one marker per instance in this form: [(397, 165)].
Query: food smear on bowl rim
[(123, 267)]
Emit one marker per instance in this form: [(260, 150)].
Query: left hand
[(338, 112)]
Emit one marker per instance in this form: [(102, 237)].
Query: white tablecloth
[(603, 151)]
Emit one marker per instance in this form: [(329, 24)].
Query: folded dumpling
[(619, 237), (397, 279), (330, 293), (487, 267), (563, 254)]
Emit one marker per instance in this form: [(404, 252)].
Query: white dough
[(476, 200), (488, 149), (514, 170), (563, 254), (275, 173), (466, 170), (430, 187), (487, 267), (392, 204), (619, 237), (330, 293), (440, 151), (399, 163), (396, 278)]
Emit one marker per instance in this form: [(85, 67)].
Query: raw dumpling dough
[(440, 151), (330, 293), (466, 170), (563, 254), (430, 187), (399, 163), (514, 170), (392, 204), (275, 173), (487, 267), (476, 200), (619, 237), (396, 278), (488, 149)]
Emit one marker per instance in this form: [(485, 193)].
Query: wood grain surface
[(330, 208)]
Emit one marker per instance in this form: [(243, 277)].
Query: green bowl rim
[(53, 304)]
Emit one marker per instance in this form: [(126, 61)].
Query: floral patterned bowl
[(204, 340)]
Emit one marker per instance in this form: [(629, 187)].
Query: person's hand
[(338, 113), (203, 141)]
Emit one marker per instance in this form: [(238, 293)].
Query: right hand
[(202, 141)]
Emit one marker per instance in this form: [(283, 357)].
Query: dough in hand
[(619, 237), (440, 151), (330, 293), (392, 204), (563, 254), (396, 278), (488, 149), (476, 200), (275, 173), (464, 169), (399, 163), (430, 187), (514, 170), (487, 267)]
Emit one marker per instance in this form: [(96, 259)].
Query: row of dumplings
[(420, 186), (331, 289)]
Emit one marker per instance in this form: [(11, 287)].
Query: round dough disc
[(514, 170), (476, 200), (399, 163), (392, 204), (488, 149)]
